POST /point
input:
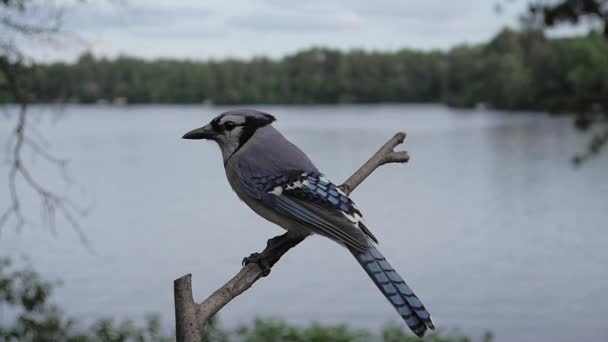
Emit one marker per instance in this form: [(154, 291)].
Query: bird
[(281, 184)]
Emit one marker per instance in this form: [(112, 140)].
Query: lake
[(489, 222)]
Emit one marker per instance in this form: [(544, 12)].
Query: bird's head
[(232, 129)]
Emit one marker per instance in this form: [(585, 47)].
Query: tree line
[(514, 70)]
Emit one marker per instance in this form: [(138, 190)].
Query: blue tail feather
[(394, 288)]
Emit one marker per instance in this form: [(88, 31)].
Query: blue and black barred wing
[(313, 201)]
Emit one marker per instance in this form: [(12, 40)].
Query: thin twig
[(191, 318), (385, 154), (51, 204)]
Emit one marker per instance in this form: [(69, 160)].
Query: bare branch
[(385, 154), (191, 318), (31, 19), (44, 153), (595, 146), (31, 29), (51, 204)]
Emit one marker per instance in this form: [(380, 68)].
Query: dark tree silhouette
[(592, 117), (35, 21), (570, 11)]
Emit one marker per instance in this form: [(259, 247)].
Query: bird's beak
[(205, 132)]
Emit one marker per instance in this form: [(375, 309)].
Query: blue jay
[(278, 181)]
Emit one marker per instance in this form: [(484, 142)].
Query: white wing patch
[(322, 179), (278, 191), (297, 184), (355, 219), (340, 191)]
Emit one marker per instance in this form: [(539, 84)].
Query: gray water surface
[(489, 223)]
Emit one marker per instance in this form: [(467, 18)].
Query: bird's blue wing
[(313, 201)]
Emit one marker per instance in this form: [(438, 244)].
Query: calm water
[(489, 223)]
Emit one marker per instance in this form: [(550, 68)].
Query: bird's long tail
[(392, 286)]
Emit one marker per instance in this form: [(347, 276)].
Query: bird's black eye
[(229, 126)]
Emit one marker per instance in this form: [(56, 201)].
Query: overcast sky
[(200, 29)]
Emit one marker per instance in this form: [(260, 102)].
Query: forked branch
[(191, 318), (386, 154)]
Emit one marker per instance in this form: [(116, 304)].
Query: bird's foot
[(259, 259)]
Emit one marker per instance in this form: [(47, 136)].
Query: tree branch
[(385, 154), (52, 204), (191, 318)]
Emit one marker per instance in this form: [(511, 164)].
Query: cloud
[(246, 28), (293, 22), (96, 17)]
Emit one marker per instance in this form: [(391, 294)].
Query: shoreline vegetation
[(513, 71), (30, 315)]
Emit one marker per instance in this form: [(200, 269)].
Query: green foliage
[(108, 330), (398, 334), (515, 70), (269, 330), (518, 71), (25, 294), (276, 331), (557, 12)]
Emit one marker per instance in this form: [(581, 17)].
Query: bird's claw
[(260, 260), (254, 257)]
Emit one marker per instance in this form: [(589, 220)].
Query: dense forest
[(515, 70)]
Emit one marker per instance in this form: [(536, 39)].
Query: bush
[(26, 296)]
